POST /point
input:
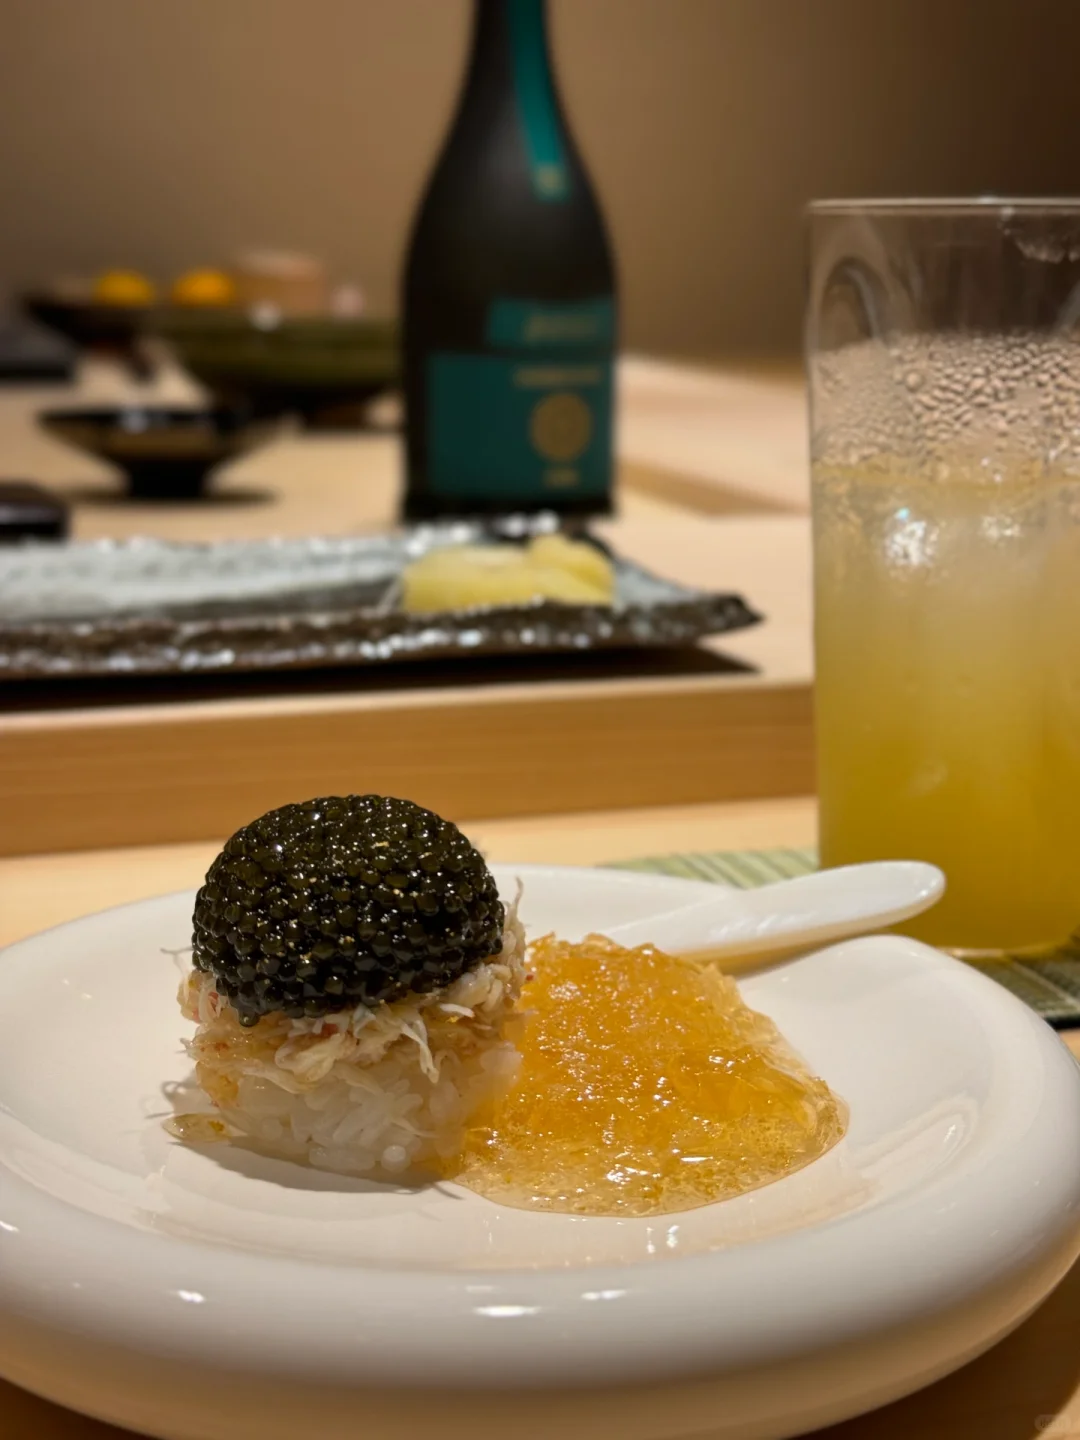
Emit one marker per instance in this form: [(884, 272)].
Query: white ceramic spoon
[(746, 928)]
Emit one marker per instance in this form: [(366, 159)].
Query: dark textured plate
[(153, 607)]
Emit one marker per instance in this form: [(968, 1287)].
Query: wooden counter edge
[(158, 774)]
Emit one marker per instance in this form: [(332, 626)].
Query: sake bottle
[(509, 297)]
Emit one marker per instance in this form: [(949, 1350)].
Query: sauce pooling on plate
[(646, 1086)]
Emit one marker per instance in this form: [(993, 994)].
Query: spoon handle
[(791, 915)]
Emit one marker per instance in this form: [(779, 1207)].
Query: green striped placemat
[(1051, 986)]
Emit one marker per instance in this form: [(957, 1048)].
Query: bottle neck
[(510, 41), (493, 20)]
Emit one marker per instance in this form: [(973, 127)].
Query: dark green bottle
[(509, 297)]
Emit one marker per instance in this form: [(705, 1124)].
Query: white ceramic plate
[(217, 1295)]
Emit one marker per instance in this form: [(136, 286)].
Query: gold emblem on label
[(560, 426)]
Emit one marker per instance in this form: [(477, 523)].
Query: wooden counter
[(691, 440)]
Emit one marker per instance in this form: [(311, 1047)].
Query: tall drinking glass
[(943, 349)]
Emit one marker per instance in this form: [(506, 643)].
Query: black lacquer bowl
[(164, 454)]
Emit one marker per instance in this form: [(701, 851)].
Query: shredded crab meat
[(419, 1059)]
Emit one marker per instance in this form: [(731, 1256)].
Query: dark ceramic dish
[(116, 330), (165, 454), (324, 370), (88, 323), (151, 607)]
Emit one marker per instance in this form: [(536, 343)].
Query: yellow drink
[(948, 692)]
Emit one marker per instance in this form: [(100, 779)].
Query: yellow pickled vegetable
[(549, 568), (575, 556)]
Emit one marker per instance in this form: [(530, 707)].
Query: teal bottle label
[(530, 325), (519, 430), (530, 420), (536, 105)]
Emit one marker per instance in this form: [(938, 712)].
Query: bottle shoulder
[(488, 223)]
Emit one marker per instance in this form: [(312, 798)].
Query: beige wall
[(164, 133)]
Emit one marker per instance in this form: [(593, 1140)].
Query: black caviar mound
[(348, 900)]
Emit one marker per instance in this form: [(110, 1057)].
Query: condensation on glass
[(943, 347)]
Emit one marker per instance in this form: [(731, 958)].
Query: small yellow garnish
[(204, 287), (124, 287)]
